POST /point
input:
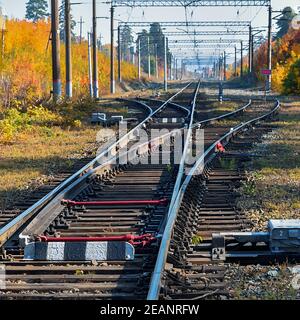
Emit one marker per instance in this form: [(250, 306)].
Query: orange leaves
[(285, 53), (27, 62), (284, 56)]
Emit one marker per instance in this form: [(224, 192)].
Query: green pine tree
[(144, 49), (36, 10), (126, 42), (157, 37), (62, 23)]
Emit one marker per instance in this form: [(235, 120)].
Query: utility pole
[(2, 44), (112, 54), (132, 55), (220, 68), (156, 61), (2, 41), (119, 55), (269, 60), (55, 51), (68, 49), (250, 53), (242, 71), (170, 67), (95, 55), (100, 47), (139, 57), (213, 71), (149, 58), (90, 64), (81, 24), (176, 69), (165, 65), (235, 62), (167, 56), (225, 78), (182, 70)]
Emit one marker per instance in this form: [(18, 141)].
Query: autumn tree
[(291, 83), (36, 10), (284, 21)]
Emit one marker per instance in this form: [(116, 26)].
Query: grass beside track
[(35, 159), (271, 192), (44, 143), (41, 144), (272, 189)]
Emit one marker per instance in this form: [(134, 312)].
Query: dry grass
[(226, 106), (271, 192), (274, 179), (34, 158)]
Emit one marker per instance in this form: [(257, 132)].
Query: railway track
[(208, 207), (186, 268), (117, 200), (12, 210), (122, 182)]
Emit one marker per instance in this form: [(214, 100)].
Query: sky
[(258, 15)]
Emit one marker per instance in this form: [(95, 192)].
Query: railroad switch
[(282, 239), (284, 236)]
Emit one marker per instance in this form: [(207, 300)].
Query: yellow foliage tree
[(26, 66)]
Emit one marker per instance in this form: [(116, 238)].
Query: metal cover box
[(284, 235)]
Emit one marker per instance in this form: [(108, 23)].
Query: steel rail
[(171, 103), (10, 228), (224, 116), (143, 148), (155, 283), (196, 125), (185, 150), (132, 154), (154, 143)]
